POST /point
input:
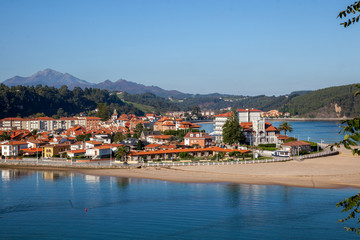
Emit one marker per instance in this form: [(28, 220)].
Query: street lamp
[(37, 155), (110, 154)]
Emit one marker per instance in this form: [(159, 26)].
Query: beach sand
[(337, 171)]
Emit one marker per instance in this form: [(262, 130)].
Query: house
[(296, 147), (168, 125), (99, 152), (52, 150), (281, 138), (130, 142), (103, 138), (152, 147), (145, 134), (92, 144), (35, 143), (188, 125), (36, 151), (77, 146), (159, 139), (13, 148), (76, 153), (58, 140), (198, 138)]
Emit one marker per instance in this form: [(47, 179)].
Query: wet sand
[(337, 171)]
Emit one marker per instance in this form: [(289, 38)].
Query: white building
[(99, 152), (219, 122), (255, 129), (12, 148)]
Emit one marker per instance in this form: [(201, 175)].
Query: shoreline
[(286, 119), (338, 171), (306, 119)]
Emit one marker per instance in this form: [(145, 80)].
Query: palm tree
[(122, 152), (286, 128)]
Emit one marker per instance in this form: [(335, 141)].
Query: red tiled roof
[(31, 150), (153, 145), (15, 143), (167, 123), (44, 118), (12, 119), (296, 143), (77, 151), (281, 137), (94, 142), (167, 146), (269, 127), (248, 110), (228, 114), (103, 147), (161, 136)]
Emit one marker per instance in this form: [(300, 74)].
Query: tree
[(118, 137), (351, 9), (103, 111), (4, 136), (232, 131), (286, 128), (83, 138), (138, 130), (351, 128), (122, 152), (140, 145)]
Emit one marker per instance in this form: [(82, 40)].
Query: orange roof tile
[(296, 143), (228, 114), (152, 145), (248, 110)]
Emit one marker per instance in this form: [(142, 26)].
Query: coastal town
[(130, 139)]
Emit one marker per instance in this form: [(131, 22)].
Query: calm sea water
[(51, 205), (315, 131)]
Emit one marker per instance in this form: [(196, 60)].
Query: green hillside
[(327, 102)]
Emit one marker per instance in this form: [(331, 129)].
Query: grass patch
[(142, 107)]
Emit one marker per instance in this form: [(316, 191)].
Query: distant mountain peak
[(48, 77), (56, 79)]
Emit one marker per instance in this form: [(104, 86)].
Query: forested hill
[(328, 102), (50, 101), (25, 101)]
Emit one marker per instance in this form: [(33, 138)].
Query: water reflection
[(14, 174), (123, 183), (55, 175), (91, 179)]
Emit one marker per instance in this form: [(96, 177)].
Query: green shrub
[(268, 145)]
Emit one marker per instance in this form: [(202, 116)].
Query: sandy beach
[(337, 171)]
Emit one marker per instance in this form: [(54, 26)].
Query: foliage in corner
[(351, 9), (350, 204), (351, 129)]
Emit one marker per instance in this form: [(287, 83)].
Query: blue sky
[(270, 47)]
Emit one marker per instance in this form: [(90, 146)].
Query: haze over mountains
[(327, 102), (56, 79)]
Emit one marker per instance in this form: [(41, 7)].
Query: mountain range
[(56, 79)]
